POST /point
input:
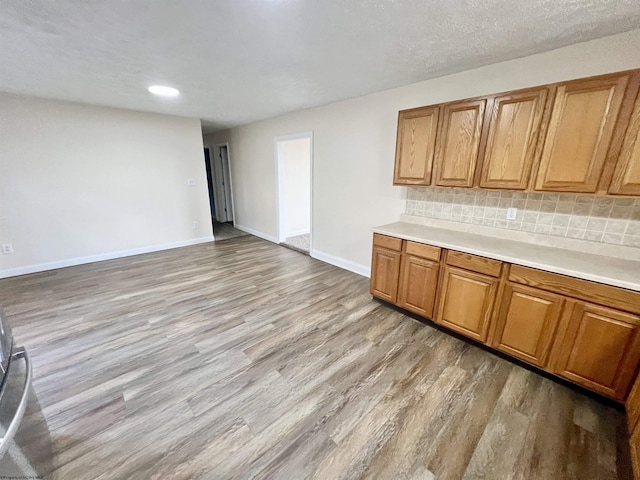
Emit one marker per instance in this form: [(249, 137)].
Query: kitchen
[(159, 352)]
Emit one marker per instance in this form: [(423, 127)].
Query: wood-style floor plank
[(242, 359)]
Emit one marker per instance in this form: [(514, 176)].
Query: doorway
[(294, 166), (222, 187), (212, 199)]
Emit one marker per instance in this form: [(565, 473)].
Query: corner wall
[(354, 145), (81, 183)]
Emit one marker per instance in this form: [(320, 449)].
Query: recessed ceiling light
[(163, 91)]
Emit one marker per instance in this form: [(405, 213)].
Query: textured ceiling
[(236, 61)]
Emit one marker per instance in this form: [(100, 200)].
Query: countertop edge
[(613, 282)]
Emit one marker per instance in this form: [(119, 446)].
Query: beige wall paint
[(354, 144), (80, 183), (295, 158)]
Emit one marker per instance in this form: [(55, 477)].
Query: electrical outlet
[(196, 225), (7, 248), (512, 213), (192, 182)]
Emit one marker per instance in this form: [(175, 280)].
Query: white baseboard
[(363, 270), (264, 236), (296, 233), (70, 262)]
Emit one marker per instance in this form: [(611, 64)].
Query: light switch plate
[(192, 182)]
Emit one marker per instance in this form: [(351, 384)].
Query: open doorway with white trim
[(221, 193), (294, 167)]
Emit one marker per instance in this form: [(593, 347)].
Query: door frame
[(279, 184), (217, 184)]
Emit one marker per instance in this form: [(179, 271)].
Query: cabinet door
[(385, 272), (415, 146), (600, 349), (458, 143), (632, 406), (634, 443), (418, 281), (513, 137), (579, 134), (527, 323), (466, 302), (626, 178)]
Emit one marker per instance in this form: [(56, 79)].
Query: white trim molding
[(298, 232), (256, 233), (281, 234), (363, 270), (71, 262)]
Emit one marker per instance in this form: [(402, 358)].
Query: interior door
[(226, 183)]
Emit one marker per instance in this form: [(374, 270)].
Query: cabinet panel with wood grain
[(458, 143), (514, 128), (600, 349), (579, 134), (385, 272), (415, 146), (626, 177), (527, 323), (466, 302), (418, 282)]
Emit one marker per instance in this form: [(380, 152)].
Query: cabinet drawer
[(392, 243), (421, 250), (615, 297), (474, 263)]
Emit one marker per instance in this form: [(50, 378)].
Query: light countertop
[(597, 268)]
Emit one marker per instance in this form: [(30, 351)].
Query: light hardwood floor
[(243, 359)]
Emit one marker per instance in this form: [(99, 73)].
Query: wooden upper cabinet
[(579, 134), (626, 178), (466, 302), (458, 143), (514, 130), (415, 146), (527, 323), (600, 349)]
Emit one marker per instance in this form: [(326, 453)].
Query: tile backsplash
[(588, 217)]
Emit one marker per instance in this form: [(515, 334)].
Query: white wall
[(80, 183), (295, 161), (354, 145)]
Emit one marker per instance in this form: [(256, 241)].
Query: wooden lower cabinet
[(600, 349), (466, 302), (385, 273), (632, 406), (418, 282), (633, 414), (634, 443), (527, 322), (585, 332)]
